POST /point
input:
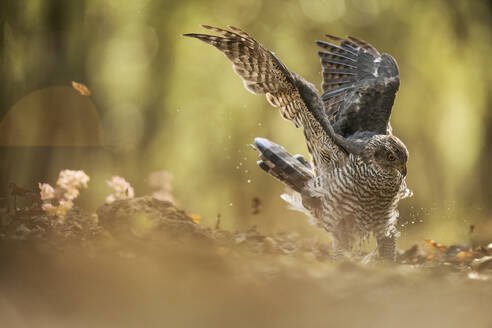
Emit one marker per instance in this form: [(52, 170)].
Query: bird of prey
[(356, 177)]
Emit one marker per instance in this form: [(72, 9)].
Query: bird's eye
[(390, 157)]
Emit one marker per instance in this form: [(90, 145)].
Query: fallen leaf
[(195, 218), (81, 88), (432, 244), (464, 255)]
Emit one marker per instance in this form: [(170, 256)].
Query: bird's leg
[(386, 248), (340, 246)]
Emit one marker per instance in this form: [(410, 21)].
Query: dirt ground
[(145, 263)]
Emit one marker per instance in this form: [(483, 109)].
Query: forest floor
[(145, 263)]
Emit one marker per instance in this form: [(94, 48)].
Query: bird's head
[(384, 150), (388, 152)]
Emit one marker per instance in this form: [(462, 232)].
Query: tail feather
[(294, 171), (303, 161)]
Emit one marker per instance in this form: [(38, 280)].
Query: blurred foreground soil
[(145, 263)]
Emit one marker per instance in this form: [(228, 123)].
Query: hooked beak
[(403, 170)]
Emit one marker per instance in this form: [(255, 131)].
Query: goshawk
[(357, 175)]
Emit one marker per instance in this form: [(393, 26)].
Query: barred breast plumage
[(357, 199)]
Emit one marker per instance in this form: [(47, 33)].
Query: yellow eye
[(391, 157)]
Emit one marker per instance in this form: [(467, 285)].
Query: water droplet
[(230, 204), (246, 171), (249, 180), (240, 163), (259, 124), (237, 167)]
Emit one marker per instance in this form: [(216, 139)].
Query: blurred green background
[(162, 101)]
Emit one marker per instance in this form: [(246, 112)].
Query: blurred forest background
[(164, 102)]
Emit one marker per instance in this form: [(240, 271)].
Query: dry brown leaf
[(195, 218), (81, 88), (463, 255), (432, 244)]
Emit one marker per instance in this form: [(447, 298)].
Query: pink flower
[(70, 179), (121, 189), (47, 191), (68, 188)]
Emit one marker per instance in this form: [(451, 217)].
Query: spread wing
[(359, 86), (263, 73)]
